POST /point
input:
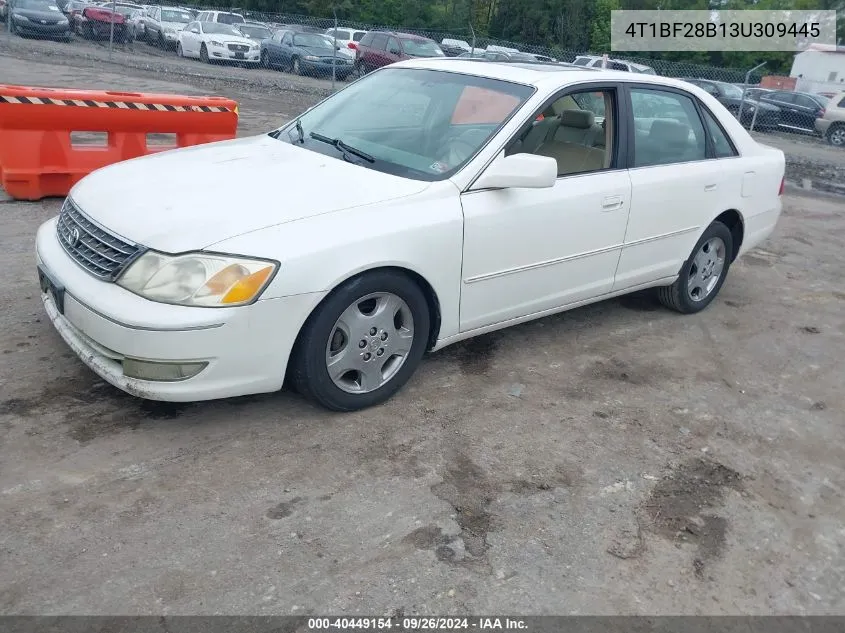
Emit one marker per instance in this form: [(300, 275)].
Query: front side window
[(667, 128), (415, 123), (576, 130)]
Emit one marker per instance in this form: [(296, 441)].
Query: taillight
[(352, 45), (821, 112), (782, 185)]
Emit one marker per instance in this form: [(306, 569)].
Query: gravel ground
[(616, 459)]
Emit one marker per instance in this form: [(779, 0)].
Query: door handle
[(611, 203), (710, 187)]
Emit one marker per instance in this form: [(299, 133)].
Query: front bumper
[(246, 348), (822, 126), (323, 68), (49, 30), (216, 52)]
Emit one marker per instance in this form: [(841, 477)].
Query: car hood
[(228, 39), (32, 14), (317, 51), (191, 198)]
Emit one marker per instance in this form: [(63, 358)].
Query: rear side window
[(667, 128), (581, 61), (722, 146), (358, 36)]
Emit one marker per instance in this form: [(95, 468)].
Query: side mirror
[(519, 171)]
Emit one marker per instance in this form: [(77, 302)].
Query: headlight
[(216, 43), (20, 18), (311, 58), (198, 279)]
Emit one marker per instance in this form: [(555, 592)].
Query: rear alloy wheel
[(703, 274), (836, 135), (363, 343)]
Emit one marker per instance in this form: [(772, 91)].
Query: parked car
[(798, 110), (73, 9), (4, 10), (453, 48), (310, 54), (347, 38), (41, 18), (256, 31), (380, 48), (224, 17), (597, 61), (447, 208), (832, 125), (100, 22), (767, 116), (502, 56), (217, 42), (163, 25), (133, 14)]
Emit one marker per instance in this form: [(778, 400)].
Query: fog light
[(164, 372)]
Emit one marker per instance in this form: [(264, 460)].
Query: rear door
[(680, 181), (393, 50)]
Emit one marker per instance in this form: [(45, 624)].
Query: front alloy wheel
[(363, 342), (836, 136)]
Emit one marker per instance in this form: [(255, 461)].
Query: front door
[(527, 251)]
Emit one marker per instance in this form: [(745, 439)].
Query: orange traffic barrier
[(38, 158)]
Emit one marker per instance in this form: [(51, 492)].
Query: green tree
[(600, 33)]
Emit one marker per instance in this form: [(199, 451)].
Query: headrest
[(581, 119), (669, 131)]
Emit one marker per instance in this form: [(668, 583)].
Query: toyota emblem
[(74, 238)]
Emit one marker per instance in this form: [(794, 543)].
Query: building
[(820, 68)]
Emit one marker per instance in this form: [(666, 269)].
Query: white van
[(223, 17)]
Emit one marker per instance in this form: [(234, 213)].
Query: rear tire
[(697, 284), (339, 333), (179, 52)]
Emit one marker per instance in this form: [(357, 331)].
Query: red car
[(380, 48), (95, 22)]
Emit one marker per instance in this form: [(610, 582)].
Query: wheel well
[(733, 220), (430, 298)]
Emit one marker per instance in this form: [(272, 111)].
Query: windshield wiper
[(342, 147)]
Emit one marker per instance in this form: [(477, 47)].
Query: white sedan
[(429, 202), (216, 41)]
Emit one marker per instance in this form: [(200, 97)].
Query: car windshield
[(822, 99), (37, 5), (311, 40), (416, 123), (731, 91), (421, 48), (169, 15), (220, 28), (257, 32)]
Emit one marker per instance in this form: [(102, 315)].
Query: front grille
[(238, 48), (100, 252)]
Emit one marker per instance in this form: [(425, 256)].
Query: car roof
[(533, 74)]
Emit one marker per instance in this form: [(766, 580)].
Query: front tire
[(204, 54), (836, 135), (295, 67), (265, 59), (363, 342), (703, 274), (179, 51)]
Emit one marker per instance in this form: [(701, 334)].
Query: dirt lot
[(614, 459)]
